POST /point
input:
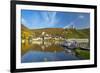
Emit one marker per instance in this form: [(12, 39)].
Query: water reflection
[(41, 51)]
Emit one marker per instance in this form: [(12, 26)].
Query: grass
[(73, 33), (83, 53)]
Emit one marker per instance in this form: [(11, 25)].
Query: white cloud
[(81, 16), (53, 18), (23, 21), (49, 18), (69, 25), (73, 22)]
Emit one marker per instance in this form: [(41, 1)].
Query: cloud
[(49, 18), (53, 18), (69, 25), (81, 16), (72, 23), (23, 21)]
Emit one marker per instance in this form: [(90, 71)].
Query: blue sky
[(50, 19)]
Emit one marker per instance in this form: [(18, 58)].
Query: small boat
[(70, 44)]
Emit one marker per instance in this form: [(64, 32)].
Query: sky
[(34, 19)]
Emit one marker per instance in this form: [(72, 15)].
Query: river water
[(46, 51)]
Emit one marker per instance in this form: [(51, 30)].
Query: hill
[(78, 33), (68, 33), (25, 32)]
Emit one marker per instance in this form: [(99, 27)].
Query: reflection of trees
[(43, 34), (44, 46), (30, 39)]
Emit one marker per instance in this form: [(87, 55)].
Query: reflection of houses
[(37, 38)]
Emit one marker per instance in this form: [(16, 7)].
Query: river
[(46, 51)]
